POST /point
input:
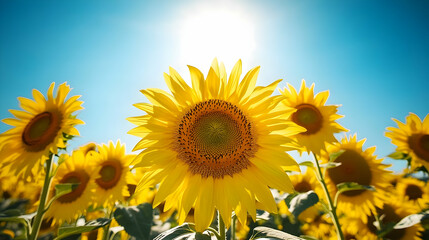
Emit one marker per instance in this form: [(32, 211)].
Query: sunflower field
[(213, 162)]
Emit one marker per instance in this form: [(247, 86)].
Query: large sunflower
[(76, 168), (218, 145), (362, 167), (114, 167), (412, 137), (38, 130), (311, 113)]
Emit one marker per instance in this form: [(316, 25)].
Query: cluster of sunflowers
[(213, 164)]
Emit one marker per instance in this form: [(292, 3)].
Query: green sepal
[(399, 156)]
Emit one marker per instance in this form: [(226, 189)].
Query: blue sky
[(373, 56)]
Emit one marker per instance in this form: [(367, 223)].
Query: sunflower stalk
[(43, 199), (332, 207), (107, 227), (222, 232), (233, 227)]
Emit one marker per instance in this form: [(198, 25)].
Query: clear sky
[(373, 56)]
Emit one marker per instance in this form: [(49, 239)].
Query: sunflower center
[(302, 187), (413, 192), (80, 177), (353, 168), (41, 131), (110, 174), (308, 116), (419, 143), (215, 139)]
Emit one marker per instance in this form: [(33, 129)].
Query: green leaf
[(350, 186), (24, 219), (411, 220), (269, 233), (184, 230), (335, 155), (307, 164), (137, 220), (303, 201), (330, 165), (64, 232), (64, 188), (398, 156)]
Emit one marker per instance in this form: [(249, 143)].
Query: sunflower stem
[(106, 228), (332, 207), (43, 198), (233, 227), (221, 227)]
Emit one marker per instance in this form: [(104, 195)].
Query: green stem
[(221, 227), (233, 227), (106, 228), (332, 207), (43, 197)]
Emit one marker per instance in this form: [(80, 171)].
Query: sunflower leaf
[(270, 233), (302, 201), (136, 220), (307, 164), (64, 232), (183, 231), (350, 186), (411, 220), (330, 165), (64, 188), (335, 155)]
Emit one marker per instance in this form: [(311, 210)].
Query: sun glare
[(216, 32)]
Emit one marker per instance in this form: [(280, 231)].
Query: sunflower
[(355, 228), (412, 138), (302, 184), (114, 167), (216, 145), (392, 211), (38, 130), (76, 168), (321, 228), (414, 191), (362, 167), (311, 113)]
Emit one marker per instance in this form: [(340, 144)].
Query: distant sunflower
[(217, 145), (414, 191), (38, 130), (114, 167), (76, 168), (303, 183), (392, 212), (412, 138), (357, 166), (321, 228), (311, 113)]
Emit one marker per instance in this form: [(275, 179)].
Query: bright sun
[(216, 32)]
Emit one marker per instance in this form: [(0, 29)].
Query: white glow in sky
[(208, 32)]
